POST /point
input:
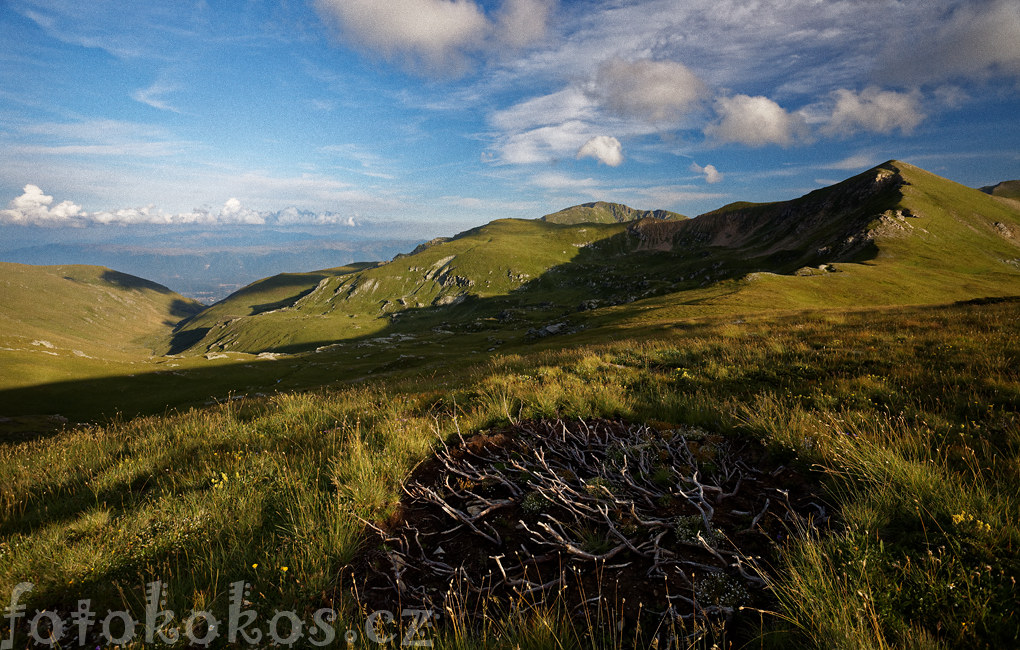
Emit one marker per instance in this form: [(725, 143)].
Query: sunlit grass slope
[(1005, 189), (66, 321), (892, 235), (909, 415), (451, 277), (605, 212)]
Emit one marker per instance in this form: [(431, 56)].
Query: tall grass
[(909, 417)]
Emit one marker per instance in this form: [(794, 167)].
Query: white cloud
[(755, 121), (432, 33), (33, 208), (874, 110), (154, 96), (712, 174), (524, 22), (435, 36), (555, 108), (979, 39), (656, 91), (857, 161), (235, 213), (544, 144), (603, 148)]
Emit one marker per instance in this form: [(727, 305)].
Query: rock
[(443, 301), (548, 330)]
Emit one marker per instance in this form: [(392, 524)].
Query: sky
[(426, 113)]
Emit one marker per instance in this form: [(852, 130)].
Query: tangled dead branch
[(592, 512)]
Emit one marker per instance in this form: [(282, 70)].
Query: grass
[(909, 413), (267, 470)]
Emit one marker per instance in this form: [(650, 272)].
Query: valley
[(791, 424)]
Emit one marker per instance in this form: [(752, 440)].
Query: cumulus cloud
[(874, 110), (657, 91), (603, 148), (712, 174), (755, 121), (434, 36), (980, 39), (33, 208)]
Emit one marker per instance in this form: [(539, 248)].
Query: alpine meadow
[(510, 324), (773, 425)]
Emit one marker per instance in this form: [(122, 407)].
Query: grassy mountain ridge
[(812, 332), (1005, 189), (90, 306), (63, 321), (894, 234), (606, 212), (484, 263)]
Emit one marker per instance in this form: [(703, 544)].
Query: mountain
[(484, 270), (1005, 189), (54, 319), (210, 269), (895, 234), (603, 212), (263, 296)]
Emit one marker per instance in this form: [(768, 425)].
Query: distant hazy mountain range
[(208, 265)]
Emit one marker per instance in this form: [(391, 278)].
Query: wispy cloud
[(155, 96), (545, 144), (858, 161), (364, 161), (560, 181), (95, 138)]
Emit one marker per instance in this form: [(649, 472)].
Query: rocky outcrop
[(605, 212)]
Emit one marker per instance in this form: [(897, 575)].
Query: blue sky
[(432, 112)]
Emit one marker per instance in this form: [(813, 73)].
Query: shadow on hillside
[(178, 308), (132, 282), (608, 273)]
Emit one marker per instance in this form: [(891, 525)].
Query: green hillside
[(259, 297), (892, 235), (781, 425), (895, 234), (67, 321), (604, 212), (480, 272), (1005, 189)]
